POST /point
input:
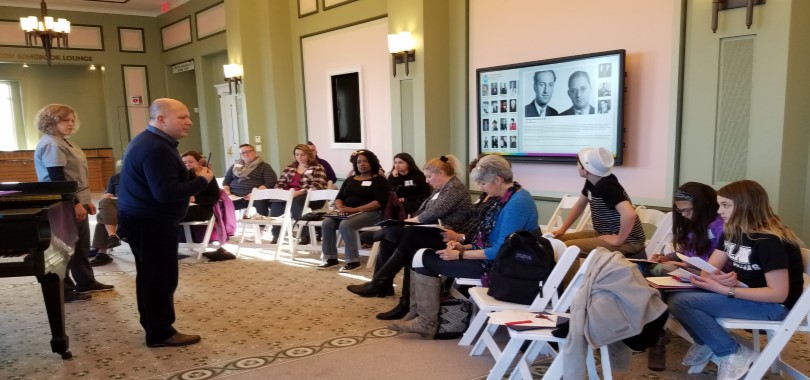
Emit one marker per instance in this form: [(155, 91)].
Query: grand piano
[(37, 233)]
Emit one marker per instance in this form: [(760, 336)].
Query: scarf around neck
[(242, 170)]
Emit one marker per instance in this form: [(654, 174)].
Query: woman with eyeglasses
[(302, 175), (249, 172), (57, 158), (764, 282), (359, 202), (515, 211), (696, 227)]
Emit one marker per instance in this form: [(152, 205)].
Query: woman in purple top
[(696, 227)]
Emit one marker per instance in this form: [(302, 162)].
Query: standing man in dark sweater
[(153, 198)]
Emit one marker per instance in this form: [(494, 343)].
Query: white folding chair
[(284, 221), (649, 215), (485, 304), (661, 238), (312, 196), (778, 332), (201, 246), (540, 338), (557, 218)]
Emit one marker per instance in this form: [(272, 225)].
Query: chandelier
[(51, 33)]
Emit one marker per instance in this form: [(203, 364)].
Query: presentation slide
[(546, 111)]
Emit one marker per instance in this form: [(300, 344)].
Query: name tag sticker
[(308, 171), (409, 183), (365, 183), (435, 197), (237, 165)]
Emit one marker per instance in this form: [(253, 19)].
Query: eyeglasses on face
[(246, 152), (684, 211)]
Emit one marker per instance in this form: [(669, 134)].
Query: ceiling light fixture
[(50, 32)]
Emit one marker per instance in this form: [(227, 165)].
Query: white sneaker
[(698, 354), (735, 366)]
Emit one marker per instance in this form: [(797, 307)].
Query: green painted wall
[(73, 85), (104, 123), (779, 127), (794, 195), (196, 88), (109, 101)]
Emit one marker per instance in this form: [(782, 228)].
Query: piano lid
[(36, 194)]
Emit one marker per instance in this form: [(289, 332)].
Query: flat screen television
[(546, 111)]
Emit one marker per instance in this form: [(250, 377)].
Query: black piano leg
[(52, 291)]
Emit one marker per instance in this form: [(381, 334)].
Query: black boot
[(398, 311), (372, 289)]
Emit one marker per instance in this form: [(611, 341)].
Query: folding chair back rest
[(558, 245), (548, 295), (661, 237), (566, 203), (649, 215), (579, 278), (321, 195), (271, 194)]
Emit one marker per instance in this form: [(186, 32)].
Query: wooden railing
[(18, 166)]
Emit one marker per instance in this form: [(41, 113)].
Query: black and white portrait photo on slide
[(494, 142), (503, 123), (604, 90), (494, 87), (605, 70), (485, 107), (512, 105), (485, 124), (604, 106), (485, 90)]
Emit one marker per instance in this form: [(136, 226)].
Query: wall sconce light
[(401, 47), (722, 5), (233, 74)]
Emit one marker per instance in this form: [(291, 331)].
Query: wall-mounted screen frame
[(346, 111), (546, 111)]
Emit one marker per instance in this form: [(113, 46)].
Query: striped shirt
[(603, 198)]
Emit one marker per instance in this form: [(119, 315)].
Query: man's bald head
[(170, 116)]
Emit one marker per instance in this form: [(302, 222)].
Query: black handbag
[(312, 216), (454, 318)]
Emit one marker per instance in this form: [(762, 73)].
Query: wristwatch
[(732, 291)]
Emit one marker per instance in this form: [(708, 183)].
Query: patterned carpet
[(254, 315)]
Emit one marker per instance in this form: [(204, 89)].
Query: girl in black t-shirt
[(408, 182), (765, 282)]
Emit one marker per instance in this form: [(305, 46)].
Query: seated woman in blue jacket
[(515, 211)]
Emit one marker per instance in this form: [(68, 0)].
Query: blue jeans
[(348, 230), (697, 312)]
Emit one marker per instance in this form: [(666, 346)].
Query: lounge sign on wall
[(183, 66), (41, 57)]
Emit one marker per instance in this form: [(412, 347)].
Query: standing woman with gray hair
[(515, 211), (58, 159)]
